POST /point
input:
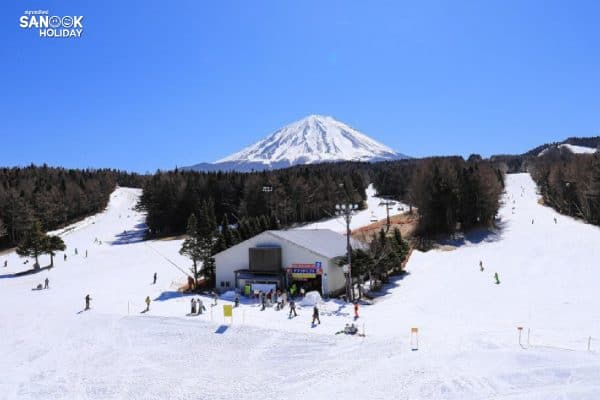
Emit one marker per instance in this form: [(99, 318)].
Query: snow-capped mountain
[(313, 139)]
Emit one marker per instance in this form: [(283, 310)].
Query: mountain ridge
[(310, 140)]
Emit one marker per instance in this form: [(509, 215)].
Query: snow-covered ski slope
[(467, 324), (374, 212)]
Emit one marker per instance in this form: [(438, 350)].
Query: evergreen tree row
[(53, 196), (570, 183), (383, 255), (450, 193), (293, 195)]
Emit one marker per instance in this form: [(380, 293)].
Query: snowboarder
[(316, 315), (87, 301), (147, 303), (155, 276), (46, 283), (293, 308), (497, 278), (481, 266), (356, 310), (193, 303), (236, 302), (200, 306)]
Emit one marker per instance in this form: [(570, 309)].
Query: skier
[(302, 291), (86, 254), (293, 290), (215, 298), (46, 284), (154, 283), (87, 301), (481, 266), (532, 222), (147, 303), (356, 310), (76, 251), (263, 301), (236, 302), (316, 315), (200, 306), (65, 257), (5, 263), (193, 302), (293, 308), (555, 220), (497, 278)]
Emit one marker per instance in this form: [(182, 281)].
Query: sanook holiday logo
[(52, 26)]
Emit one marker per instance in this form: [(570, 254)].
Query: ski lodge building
[(277, 259)]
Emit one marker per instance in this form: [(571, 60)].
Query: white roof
[(324, 242)]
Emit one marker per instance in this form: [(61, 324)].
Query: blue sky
[(155, 84)]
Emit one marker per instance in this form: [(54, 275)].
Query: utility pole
[(346, 210)]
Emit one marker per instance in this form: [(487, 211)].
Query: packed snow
[(467, 324)]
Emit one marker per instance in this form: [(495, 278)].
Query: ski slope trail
[(468, 342), (375, 211)]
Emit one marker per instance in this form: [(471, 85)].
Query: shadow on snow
[(135, 235)]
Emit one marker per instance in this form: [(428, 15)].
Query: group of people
[(272, 297), (45, 286), (496, 276), (197, 306)]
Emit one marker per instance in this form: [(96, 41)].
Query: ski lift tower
[(346, 210), (268, 190), (388, 205)]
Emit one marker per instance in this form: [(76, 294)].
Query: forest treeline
[(449, 192), (570, 183), (292, 195), (53, 196)]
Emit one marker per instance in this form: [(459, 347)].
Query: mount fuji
[(313, 139)]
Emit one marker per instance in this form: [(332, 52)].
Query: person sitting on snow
[(193, 304)]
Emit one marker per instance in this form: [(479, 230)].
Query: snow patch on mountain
[(313, 139), (572, 148)]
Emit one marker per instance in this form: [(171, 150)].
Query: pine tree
[(33, 243), (53, 243), (274, 223), (593, 192), (191, 245), (226, 232), (207, 231), (2, 229)]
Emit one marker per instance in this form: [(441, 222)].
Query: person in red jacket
[(356, 310)]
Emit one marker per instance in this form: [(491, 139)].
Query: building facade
[(278, 259)]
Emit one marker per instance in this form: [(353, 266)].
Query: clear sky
[(155, 84)]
